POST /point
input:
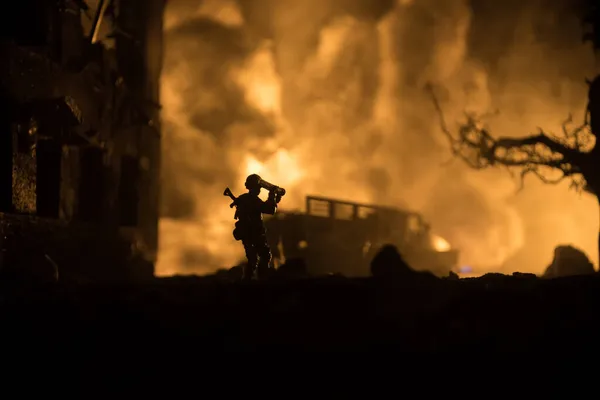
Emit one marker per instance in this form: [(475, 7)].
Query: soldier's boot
[(248, 271), (263, 271)]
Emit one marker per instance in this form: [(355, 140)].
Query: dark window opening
[(92, 189), (48, 178), (128, 191)]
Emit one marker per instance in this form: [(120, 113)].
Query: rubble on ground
[(293, 268), (396, 309), (491, 313)]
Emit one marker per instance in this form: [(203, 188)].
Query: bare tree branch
[(548, 157)]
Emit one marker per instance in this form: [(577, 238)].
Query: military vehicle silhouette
[(337, 236)]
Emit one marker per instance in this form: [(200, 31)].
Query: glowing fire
[(440, 244), (346, 118), (261, 84), (282, 168)]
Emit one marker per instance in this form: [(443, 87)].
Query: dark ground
[(490, 313)]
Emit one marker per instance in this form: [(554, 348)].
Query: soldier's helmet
[(253, 181)]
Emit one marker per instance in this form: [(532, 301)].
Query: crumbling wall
[(74, 120)]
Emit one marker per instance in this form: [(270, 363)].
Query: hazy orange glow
[(440, 244), (282, 168), (320, 142), (261, 85)]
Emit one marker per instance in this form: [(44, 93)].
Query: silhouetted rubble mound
[(335, 275), (33, 267), (232, 274), (389, 264), (236, 273), (569, 261), (293, 268), (492, 313), (265, 272), (498, 281), (524, 275), (453, 276)]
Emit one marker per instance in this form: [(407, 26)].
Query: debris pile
[(569, 261), (398, 308)]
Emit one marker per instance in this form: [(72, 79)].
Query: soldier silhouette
[(250, 228)]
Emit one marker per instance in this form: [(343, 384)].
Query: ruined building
[(80, 137)]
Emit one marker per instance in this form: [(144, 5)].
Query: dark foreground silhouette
[(393, 311)]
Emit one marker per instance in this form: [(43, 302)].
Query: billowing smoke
[(327, 97)]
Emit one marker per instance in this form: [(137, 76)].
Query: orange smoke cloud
[(324, 101)]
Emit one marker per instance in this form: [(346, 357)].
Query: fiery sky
[(327, 97)]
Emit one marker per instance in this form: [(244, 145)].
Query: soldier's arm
[(269, 206)]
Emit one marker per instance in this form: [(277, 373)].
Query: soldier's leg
[(252, 257), (275, 253), (264, 256)]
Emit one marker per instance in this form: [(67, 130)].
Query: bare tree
[(550, 157), (572, 154)]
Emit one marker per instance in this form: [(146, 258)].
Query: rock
[(235, 273), (389, 264), (568, 261), (453, 276), (524, 275)]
